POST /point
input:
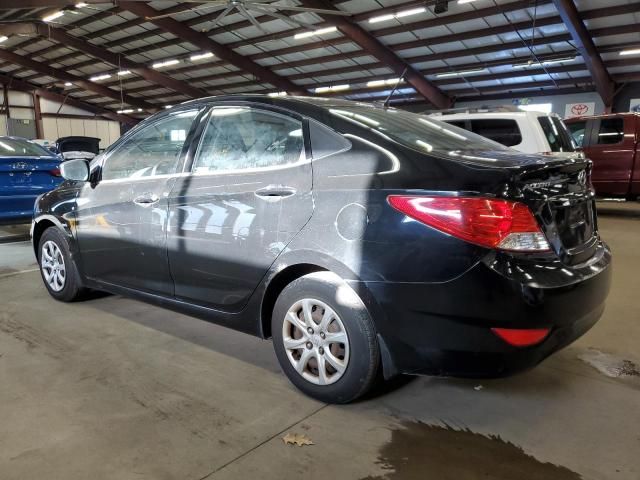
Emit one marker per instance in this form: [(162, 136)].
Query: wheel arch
[(288, 274), (276, 284), (38, 229)]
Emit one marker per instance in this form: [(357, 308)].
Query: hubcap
[(52, 264), (316, 341)]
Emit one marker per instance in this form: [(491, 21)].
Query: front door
[(612, 153), (248, 194), (122, 216)]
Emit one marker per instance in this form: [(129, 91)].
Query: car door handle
[(274, 192), (146, 199)]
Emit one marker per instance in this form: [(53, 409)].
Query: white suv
[(528, 132)]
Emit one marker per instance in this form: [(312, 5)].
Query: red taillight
[(488, 222), (55, 172), (522, 337)]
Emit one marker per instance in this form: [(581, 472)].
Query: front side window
[(611, 131), (577, 130), (556, 134), (153, 150), (501, 130), (242, 138)]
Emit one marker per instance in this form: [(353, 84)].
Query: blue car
[(26, 171)]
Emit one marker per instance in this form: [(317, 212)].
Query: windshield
[(414, 131), (559, 138), (16, 147)]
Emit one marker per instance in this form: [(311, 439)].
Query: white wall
[(54, 127), (107, 131)]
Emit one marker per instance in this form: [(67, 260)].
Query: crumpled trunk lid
[(563, 200)]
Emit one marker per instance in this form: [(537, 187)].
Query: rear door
[(612, 153), (26, 171), (247, 195)]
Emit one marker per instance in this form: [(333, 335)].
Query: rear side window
[(242, 138), (577, 130), (557, 134), (611, 131), (504, 131)]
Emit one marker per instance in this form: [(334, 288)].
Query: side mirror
[(76, 170), (53, 149)]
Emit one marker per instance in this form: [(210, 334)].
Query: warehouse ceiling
[(136, 57)]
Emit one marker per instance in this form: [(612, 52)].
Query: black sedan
[(366, 241)]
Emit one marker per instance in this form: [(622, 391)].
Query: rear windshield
[(16, 147), (414, 131), (559, 138)]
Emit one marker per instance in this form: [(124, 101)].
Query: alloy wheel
[(316, 341), (53, 268)]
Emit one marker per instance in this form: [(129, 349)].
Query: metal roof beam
[(206, 44), (605, 85), (114, 59), (374, 47), (12, 82), (67, 77)]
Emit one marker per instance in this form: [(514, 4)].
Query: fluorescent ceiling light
[(122, 73), (380, 83), (391, 16), (97, 78), (165, 63), (68, 84), (278, 94), (3, 38), (544, 62), (139, 109), (458, 74), (462, 2), (311, 33), (413, 11), (633, 51), (201, 56), (333, 88), (128, 110), (53, 16), (168, 106), (81, 5)]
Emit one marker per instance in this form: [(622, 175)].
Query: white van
[(528, 132)]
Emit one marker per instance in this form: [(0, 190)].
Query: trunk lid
[(558, 191), (32, 175), (563, 200)]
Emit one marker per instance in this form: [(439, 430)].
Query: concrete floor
[(112, 388)]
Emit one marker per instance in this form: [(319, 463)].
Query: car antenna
[(393, 90)]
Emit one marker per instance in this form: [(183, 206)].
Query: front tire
[(325, 339), (59, 272)]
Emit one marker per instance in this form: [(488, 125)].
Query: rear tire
[(325, 339), (58, 270)]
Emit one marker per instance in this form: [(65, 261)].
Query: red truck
[(612, 142)]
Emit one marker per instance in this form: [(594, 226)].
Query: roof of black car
[(285, 100)]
